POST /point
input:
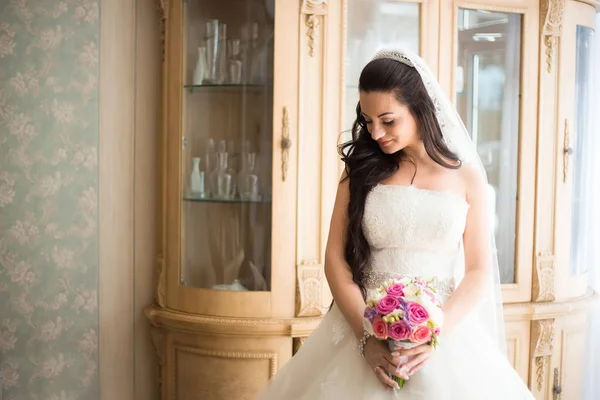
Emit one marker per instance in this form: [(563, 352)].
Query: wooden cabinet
[(257, 95), (247, 185)]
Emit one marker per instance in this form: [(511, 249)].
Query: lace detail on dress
[(443, 286), (339, 330), (329, 386), (413, 232)]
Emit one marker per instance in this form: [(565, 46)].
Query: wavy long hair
[(366, 165)]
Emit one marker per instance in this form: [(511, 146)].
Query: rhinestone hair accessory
[(393, 55)]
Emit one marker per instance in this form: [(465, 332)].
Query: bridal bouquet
[(405, 312)]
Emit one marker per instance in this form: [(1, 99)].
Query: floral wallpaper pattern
[(49, 199)]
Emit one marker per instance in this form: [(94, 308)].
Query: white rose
[(375, 297), (405, 280), (411, 291), (436, 315)]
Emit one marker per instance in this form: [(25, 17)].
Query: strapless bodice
[(413, 231)]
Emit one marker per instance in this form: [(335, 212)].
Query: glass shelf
[(189, 197)]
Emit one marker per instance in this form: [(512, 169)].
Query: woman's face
[(390, 123)]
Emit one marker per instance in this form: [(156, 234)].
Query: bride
[(413, 201)]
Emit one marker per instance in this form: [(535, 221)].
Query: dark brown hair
[(366, 165)]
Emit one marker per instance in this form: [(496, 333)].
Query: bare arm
[(478, 266), (345, 292)]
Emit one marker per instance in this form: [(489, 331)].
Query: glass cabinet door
[(576, 150), (372, 25), (584, 148), (488, 88), (227, 144)]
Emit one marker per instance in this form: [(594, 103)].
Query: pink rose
[(421, 334), (387, 305), (416, 313), (396, 290), (399, 330), (437, 331), (380, 328)]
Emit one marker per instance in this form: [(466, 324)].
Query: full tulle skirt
[(465, 366)]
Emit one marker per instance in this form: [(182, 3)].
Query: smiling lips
[(385, 143)]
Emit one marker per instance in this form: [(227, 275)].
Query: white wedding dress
[(413, 232)]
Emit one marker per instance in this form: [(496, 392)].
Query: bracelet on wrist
[(362, 343)]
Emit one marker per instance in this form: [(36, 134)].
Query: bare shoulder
[(474, 182)]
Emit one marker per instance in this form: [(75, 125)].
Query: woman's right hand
[(379, 357)]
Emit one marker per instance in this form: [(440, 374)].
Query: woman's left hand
[(417, 358)]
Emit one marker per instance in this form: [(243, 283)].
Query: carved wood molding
[(161, 290), (318, 7), (541, 365), (542, 335), (544, 274), (170, 319), (313, 10), (310, 278), (163, 11), (271, 357), (553, 12), (313, 24)]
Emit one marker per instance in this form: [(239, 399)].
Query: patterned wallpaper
[(49, 199)]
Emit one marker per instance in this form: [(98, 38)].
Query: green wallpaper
[(49, 199)]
